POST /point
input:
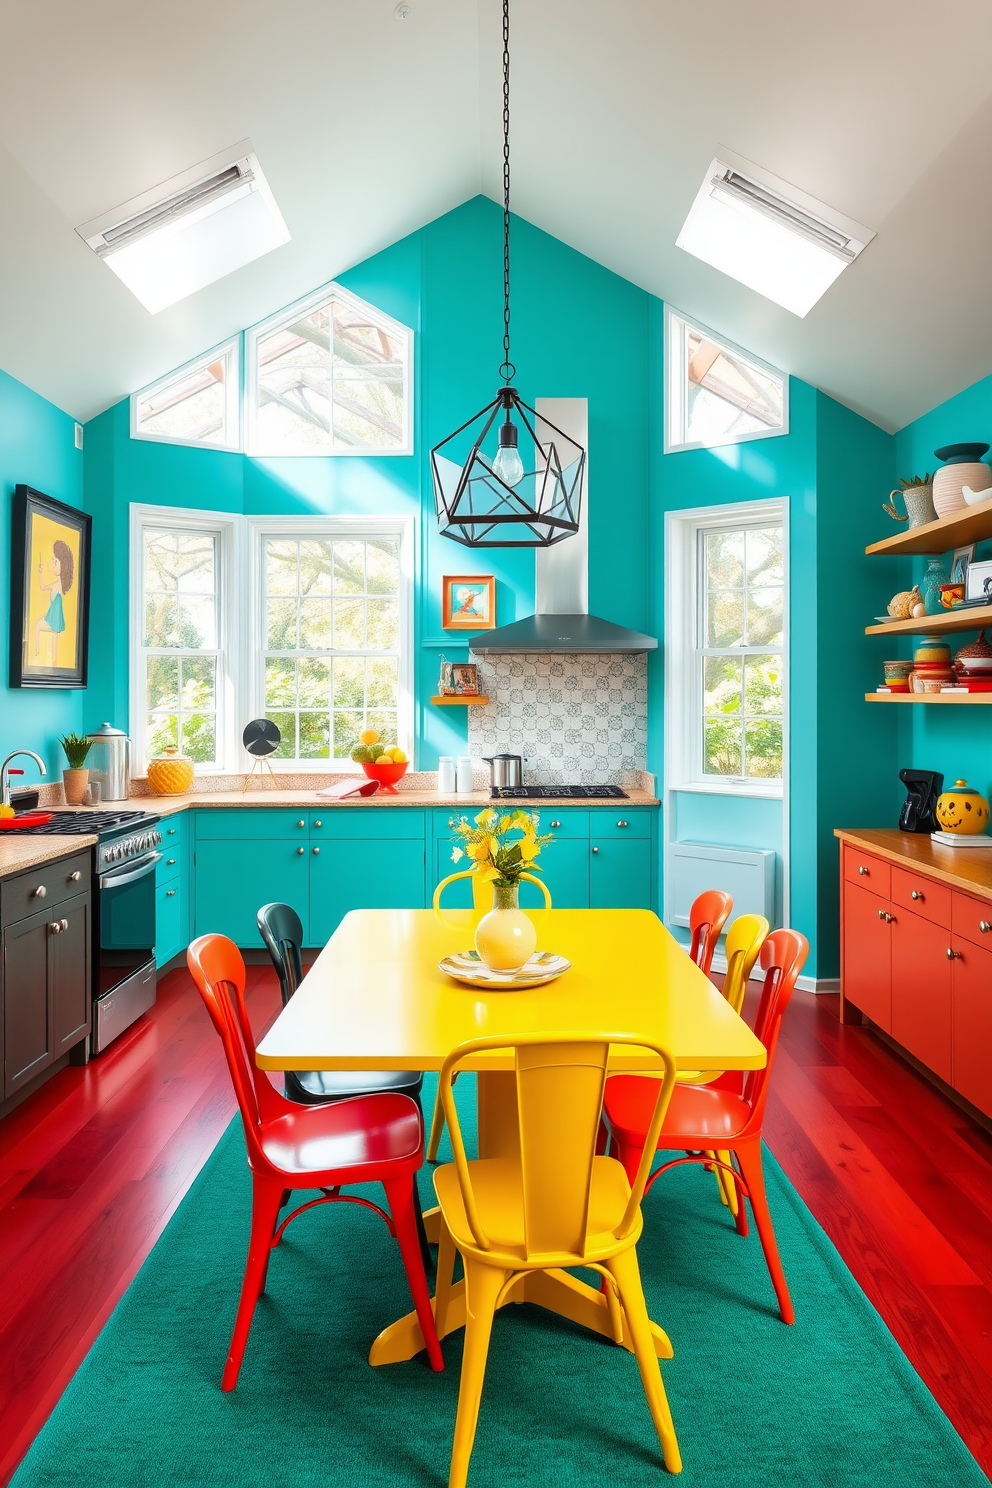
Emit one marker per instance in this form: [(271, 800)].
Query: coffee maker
[(919, 808)]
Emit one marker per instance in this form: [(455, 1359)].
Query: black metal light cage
[(477, 508)]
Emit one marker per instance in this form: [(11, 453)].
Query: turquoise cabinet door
[(457, 895), (170, 920), (620, 873), (378, 874), (565, 870), (234, 878)]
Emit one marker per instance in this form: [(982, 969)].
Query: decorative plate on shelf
[(468, 967)]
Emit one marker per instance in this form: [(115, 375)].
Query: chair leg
[(399, 1195), (426, 1254), (264, 1213), (625, 1270), (437, 1127), (482, 1288), (445, 1276), (749, 1157), (629, 1157), (728, 1188)]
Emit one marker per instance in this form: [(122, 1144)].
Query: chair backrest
[(783, 956), (707, 917), (482, 890), (217, 968), (744, 940), (282, 930), (560, 1082)]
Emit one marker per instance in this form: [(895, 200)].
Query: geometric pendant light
[(507, 478)]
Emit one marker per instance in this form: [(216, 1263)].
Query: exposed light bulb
[(508, 465)]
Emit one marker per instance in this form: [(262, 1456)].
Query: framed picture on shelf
[(468, 602), (978, 581), (458, 679), (49, 592), (960, 563)]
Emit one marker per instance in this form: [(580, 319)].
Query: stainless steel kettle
[(505, 769), (109, 762)]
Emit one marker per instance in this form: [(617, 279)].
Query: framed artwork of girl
[(50, 585)]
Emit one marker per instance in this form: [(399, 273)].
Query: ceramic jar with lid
[(170, 773), (963, 466), (962, 811)]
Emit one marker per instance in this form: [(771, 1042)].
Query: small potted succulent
[(917, 492), (383, 762), (76, 779)]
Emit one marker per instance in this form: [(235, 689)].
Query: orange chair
[(365, 1139), (724, 1117), (707, 917), (555, 1205)]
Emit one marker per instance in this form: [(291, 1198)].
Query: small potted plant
[(505, 937), (75, 780), (917, 493), (386, 763)]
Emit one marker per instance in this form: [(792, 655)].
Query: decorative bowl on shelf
[(951, 595), (387, 775)]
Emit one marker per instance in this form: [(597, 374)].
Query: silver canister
[(109, 762)]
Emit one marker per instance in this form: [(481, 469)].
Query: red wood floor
[(94, 1164)]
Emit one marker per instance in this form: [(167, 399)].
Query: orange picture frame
[(468, 602)]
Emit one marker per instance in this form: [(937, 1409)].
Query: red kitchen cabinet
[(867, 960), (921, 990), (971, 1021)]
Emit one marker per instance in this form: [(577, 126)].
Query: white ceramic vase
[(949, 480), (505, 937)]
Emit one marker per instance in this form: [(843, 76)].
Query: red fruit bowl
[(387, 775)]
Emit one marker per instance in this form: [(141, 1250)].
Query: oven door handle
[(131, 875)]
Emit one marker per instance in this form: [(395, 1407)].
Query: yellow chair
[(482, 902), (556, 1204)]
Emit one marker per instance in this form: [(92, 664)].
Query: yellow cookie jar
[(962, 811), (170, 773)]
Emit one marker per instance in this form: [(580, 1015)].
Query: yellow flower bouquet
[(496, 856)]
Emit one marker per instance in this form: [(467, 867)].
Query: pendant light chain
[(507, 370)]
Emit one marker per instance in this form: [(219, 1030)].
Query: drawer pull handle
[(40, 892), (170, 862), (554, 824), (75, 877), (595, 849), (863, 871), (985, 926), (622, 824), (916, 895), (170, 893), (318, 823), (316, 851), (300, 851), (301, 823), (953, 955)]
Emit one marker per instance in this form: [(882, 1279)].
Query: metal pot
[(109, 762), (505, 769)]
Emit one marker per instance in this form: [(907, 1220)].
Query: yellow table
[(374, 999)]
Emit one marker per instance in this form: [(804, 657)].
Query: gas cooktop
[(78, 823), (558, 792)]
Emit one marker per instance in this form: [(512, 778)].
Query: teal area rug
[(831, 1401)]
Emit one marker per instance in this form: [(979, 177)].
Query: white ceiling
[(367, 127)]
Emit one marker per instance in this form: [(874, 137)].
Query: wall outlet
[(79, 436)]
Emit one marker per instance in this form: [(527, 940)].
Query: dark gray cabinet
[(45, 970)]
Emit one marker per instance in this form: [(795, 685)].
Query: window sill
[(770, 792)]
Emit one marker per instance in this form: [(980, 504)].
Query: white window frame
[(230, 350), (683, 684), (676, 379), (228, 531), (354, 527), (295, 312)]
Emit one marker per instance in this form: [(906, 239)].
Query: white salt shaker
[(463, 775), (446, 775)]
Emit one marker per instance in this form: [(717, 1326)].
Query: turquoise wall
[(956, 741), (37, 448)]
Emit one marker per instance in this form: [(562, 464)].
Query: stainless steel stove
[(557, 792)]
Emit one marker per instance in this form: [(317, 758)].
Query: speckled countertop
[(20, 853), (169, 805)]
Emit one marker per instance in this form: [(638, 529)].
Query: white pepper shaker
[(446, 775), (463, 775)]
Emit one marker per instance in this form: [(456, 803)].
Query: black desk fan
[(261, 738)]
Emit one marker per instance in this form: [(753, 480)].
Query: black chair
[(282, 930)]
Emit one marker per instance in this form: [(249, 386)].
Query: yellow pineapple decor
[(170, 773)]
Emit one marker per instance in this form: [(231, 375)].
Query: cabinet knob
[(916, 895), (75, 877), (316, 851), (595, 849), (170, 831), (170, 862), (40, 892), (318, 823), (300, 851), (622, 824), (64, 924), (863, 871), (884, 915), (556, 824), (953, 955), (301, 823), (881, 914), (170, 893), (984, 926), (55, 927)]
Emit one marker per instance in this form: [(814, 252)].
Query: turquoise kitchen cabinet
[(375, 873), (171, 919), (235, 876), (259, 822), (565, 870), (374, 822), (620, 873)]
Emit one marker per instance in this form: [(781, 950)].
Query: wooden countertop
[(204, 800), (19, 853), (966, 868)]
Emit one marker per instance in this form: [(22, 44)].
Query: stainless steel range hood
[(562, 622)]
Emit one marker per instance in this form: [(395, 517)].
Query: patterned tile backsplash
[(577, 720)]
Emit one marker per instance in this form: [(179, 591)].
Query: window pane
[(349, 624), (725, 559), (199, 737), (280, 683), (764, 617), (280, 567), (722, 747), (383, 719), (721, 684), (725, 617), (382, 682), (315, 682), (347, 727), (162, 732), (763, 748), (315, 567), (726, 394), (280, 624), (383, 624), (198, 687), (286, 724), (196, 625), (191, 408), (764, 556), (293, 371), (383, 564), (315, 624), (763, 684), (315, 731), (349, 682), (163, 682), (349, 568)]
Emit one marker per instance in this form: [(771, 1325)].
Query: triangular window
[(198, 404)]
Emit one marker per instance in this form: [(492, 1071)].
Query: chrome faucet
[(6, 772)]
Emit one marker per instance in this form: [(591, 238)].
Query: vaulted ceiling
[(368, 126)]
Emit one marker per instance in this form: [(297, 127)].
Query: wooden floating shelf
[(929, 697), (975, 618), (971, 524), (447, 702)]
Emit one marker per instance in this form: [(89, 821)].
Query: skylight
[(768, 235), (191, 230), (715, 393), (199, 404)]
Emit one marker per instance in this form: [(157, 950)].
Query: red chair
[(366, 1139), (709, 913), (724, 1116)]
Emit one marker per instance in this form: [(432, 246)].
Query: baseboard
[(804, 983)]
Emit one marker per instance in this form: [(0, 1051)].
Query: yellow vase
[(170, 773), (505, 937), (962, 811)]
